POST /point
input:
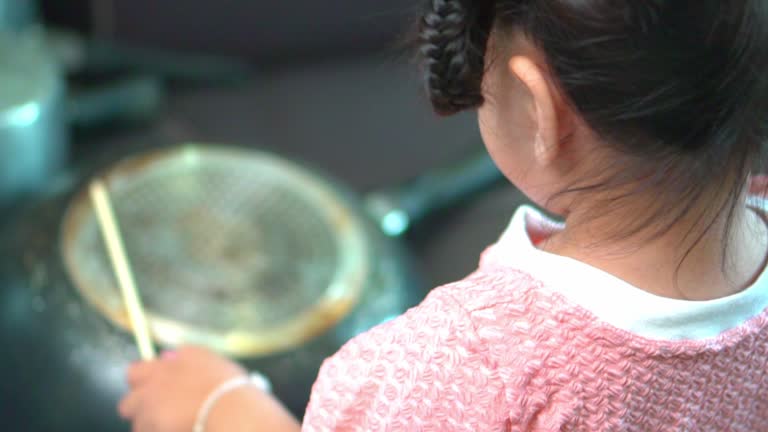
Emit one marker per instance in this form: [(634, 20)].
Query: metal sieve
[(234, 249)]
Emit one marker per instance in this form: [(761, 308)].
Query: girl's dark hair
[(679, 87)]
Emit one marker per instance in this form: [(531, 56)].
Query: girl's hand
[(166, 394)]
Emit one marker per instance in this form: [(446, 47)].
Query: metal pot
[(37, 111), (17, 15), (65, 369), (33, 134)]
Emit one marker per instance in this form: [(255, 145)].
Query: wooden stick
[(122, 268)]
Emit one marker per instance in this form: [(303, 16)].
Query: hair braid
[(453, 37)]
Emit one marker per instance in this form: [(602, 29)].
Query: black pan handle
[(397, 209)]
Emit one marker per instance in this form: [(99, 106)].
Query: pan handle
[(133, 97), (397, 209), (79, 54)]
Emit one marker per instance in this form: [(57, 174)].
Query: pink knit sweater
[(536, 342)]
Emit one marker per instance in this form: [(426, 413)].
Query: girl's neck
[(661, 266)]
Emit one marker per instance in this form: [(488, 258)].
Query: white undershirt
[(618, 302)]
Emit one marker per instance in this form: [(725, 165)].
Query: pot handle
[(79, 54), (397, 209), (130, 98)]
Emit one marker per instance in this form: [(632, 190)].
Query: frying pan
[(58, 308)]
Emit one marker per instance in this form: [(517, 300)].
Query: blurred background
[(331, 84)]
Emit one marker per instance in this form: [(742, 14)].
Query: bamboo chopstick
[(122, 268)]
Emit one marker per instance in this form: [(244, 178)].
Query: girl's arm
[(425, 370), (166, 395), (250, 410)]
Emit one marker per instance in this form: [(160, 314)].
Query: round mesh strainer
[(239, 250)]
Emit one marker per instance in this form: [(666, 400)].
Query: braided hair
[(453, 36)]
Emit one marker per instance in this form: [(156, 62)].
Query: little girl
[(639, 123)]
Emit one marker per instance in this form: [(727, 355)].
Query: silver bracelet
[(255, 379)]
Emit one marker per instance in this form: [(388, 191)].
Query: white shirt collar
[(616, 301)]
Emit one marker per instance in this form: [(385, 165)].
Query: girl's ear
[(547, 133)]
